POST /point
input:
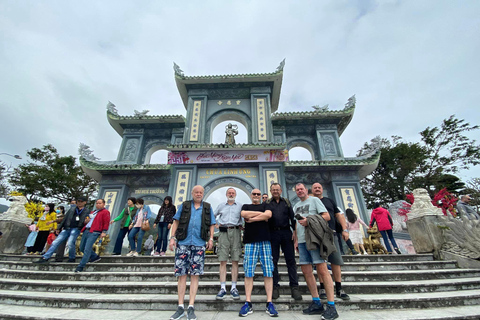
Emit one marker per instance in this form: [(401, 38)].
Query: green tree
[(51, 176), (430, 163), (448, 150), (398, 167), (473, 190), (4, 187)]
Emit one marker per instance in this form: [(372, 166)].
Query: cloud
[(410, 64)]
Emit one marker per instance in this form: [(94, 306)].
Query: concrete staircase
[(382, 284)]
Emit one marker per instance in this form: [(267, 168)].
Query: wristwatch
[(345, 231), (173, 238)]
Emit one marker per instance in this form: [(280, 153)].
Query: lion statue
[(17, 211), (372, 243)]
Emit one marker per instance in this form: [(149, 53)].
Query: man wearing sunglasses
[(257, 247)]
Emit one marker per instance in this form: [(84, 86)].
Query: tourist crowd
[(314, 227)]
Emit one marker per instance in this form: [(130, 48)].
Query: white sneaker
[(135, 254), (130, 254)]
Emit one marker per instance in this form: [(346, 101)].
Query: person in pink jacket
[(385, 223)]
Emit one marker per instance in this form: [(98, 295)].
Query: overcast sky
[(411, 64)]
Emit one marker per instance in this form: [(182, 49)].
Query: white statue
[(17, 211), (112, 108), (322, 109), (351, 102), (178, 71), (281, 66), (86, 153), (422, 205), (141, 113)]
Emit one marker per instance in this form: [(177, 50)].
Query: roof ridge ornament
[(141, 113), (86, 153), (322, 109), (351, 102), (112, 108), (280, 66), (178, 71)]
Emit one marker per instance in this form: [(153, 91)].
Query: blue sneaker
[(221, 294), (234, 293), (246, 310), (271, 311)]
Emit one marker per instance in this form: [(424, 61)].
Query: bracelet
[(173, 238), (211, 239), (345, 231)]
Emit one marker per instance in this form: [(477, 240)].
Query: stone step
[(212, 287), (170, 258), (25, 312), (105, 265), (209, 303), (347, 276)]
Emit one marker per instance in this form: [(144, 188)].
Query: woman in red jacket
[(385, 223)]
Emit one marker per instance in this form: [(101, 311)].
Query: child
[(353, 225), (148, 246), (51, 237), (32, 236)]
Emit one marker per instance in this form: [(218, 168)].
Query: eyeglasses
[(256, 194)]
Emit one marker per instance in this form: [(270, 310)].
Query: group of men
[(268, 226)]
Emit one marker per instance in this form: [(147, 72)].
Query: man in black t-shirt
[(257, 246), (335, 258)]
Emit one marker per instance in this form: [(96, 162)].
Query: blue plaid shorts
[(253, 252), (189, 259)]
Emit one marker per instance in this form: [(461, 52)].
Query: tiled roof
[(113, 165)]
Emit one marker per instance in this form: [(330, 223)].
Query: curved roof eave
[(341, 117), (117, 122)]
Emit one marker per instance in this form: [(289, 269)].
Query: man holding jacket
[(309, 206)]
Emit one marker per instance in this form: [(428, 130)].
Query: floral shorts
[(189, 259)]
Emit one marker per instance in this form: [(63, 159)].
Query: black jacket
[(65, 224)]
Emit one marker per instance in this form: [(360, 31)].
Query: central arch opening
[(218, 196), (218, 133), (215, 132)]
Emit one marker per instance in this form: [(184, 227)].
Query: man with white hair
[(229, 220), (193, 226)]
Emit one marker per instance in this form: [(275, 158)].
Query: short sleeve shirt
[(310, 206)]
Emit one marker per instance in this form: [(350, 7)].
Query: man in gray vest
[(229, 219), (193, 226)]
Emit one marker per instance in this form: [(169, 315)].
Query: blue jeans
[(385, 239), (131, 238), (162, 236), (119, 243), (71, 235), (83, 241), (88, 253)]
